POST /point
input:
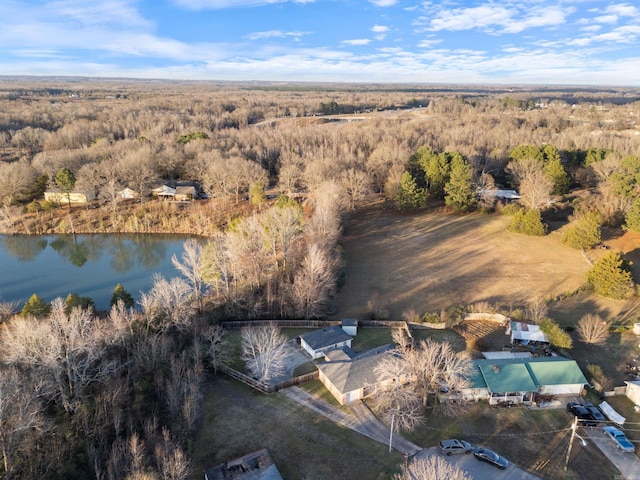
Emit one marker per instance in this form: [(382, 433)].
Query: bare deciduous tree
[(592, 329), (216, 346), (396, 399), (263, 351), (536, 310), (70, 352), (431, 468), (20, 413), (168, 304), (191, 268), (535, 187), (314, 283)]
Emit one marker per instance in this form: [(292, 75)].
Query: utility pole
[(391, 433), (574, 425)]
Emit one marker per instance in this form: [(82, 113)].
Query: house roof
[(164, 190), (507, 377), (253, 466), (186, 190), (524, 331), (352, 374), (525, 374), (325, 337), (349, 322)]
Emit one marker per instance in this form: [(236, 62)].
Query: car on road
[(584, 414), (489, 456), (453, 446), (620, 438)]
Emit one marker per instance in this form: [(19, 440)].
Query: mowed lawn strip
[(302, 443)]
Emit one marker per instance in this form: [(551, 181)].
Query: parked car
[(585, 416), (620, 438), (595, 412), (453, 446), (489, 456)]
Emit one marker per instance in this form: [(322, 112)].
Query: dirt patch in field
[(429, 261)]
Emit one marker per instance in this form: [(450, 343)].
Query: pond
[(89, 265)]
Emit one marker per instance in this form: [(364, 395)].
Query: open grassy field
[(303, 444), (432, 260)]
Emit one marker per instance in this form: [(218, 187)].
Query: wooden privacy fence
[(281, 323), (264, 387)]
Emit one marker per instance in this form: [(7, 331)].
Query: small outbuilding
[(318, 342), (350, 325), (526, 334), (253, 466), (62, 198), (633, 391)]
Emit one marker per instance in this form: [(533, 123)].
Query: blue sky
[(576, 42)]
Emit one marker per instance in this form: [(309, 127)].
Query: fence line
[(281, 323), (266, 388)]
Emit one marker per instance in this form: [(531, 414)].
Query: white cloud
[(429, 43), (357, 41), (275, 34), (379, 29), (494, 18), (606, 19), (384, 3), (220, 4), (624, 10), (99, 12)]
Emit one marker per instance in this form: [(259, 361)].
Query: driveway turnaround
[(627, 463), (479, 470)]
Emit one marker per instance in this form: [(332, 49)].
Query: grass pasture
[(432, 260)]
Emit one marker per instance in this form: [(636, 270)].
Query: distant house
[(350, 376), (61, 197), (127, 194), (253, 466), (519, 380), (526, 334), (317, 342), (164, 191), (492, 196), (185, 193)]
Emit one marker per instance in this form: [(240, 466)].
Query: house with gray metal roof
[(318, 342)]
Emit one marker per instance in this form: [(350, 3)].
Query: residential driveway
[(362, 420), (479, 470), (627, 463)]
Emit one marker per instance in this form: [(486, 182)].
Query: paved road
[(627, 463), (362, 420), (480, 470)]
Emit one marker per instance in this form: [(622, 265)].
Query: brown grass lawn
[(303, 444), (432, 260)]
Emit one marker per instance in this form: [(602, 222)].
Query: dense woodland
[(117, 395)]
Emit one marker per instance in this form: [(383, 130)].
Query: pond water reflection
[(89, 265)]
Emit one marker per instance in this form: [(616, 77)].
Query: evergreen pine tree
[(611, 276), (632, 218), (584, 232), (459, 192), (36, 307), (528, 222), (119, 293), (409, 195)]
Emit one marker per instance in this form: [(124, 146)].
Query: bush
[(611, 276), (557, 337), (584, 232), (510, 209), (528, 223)]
